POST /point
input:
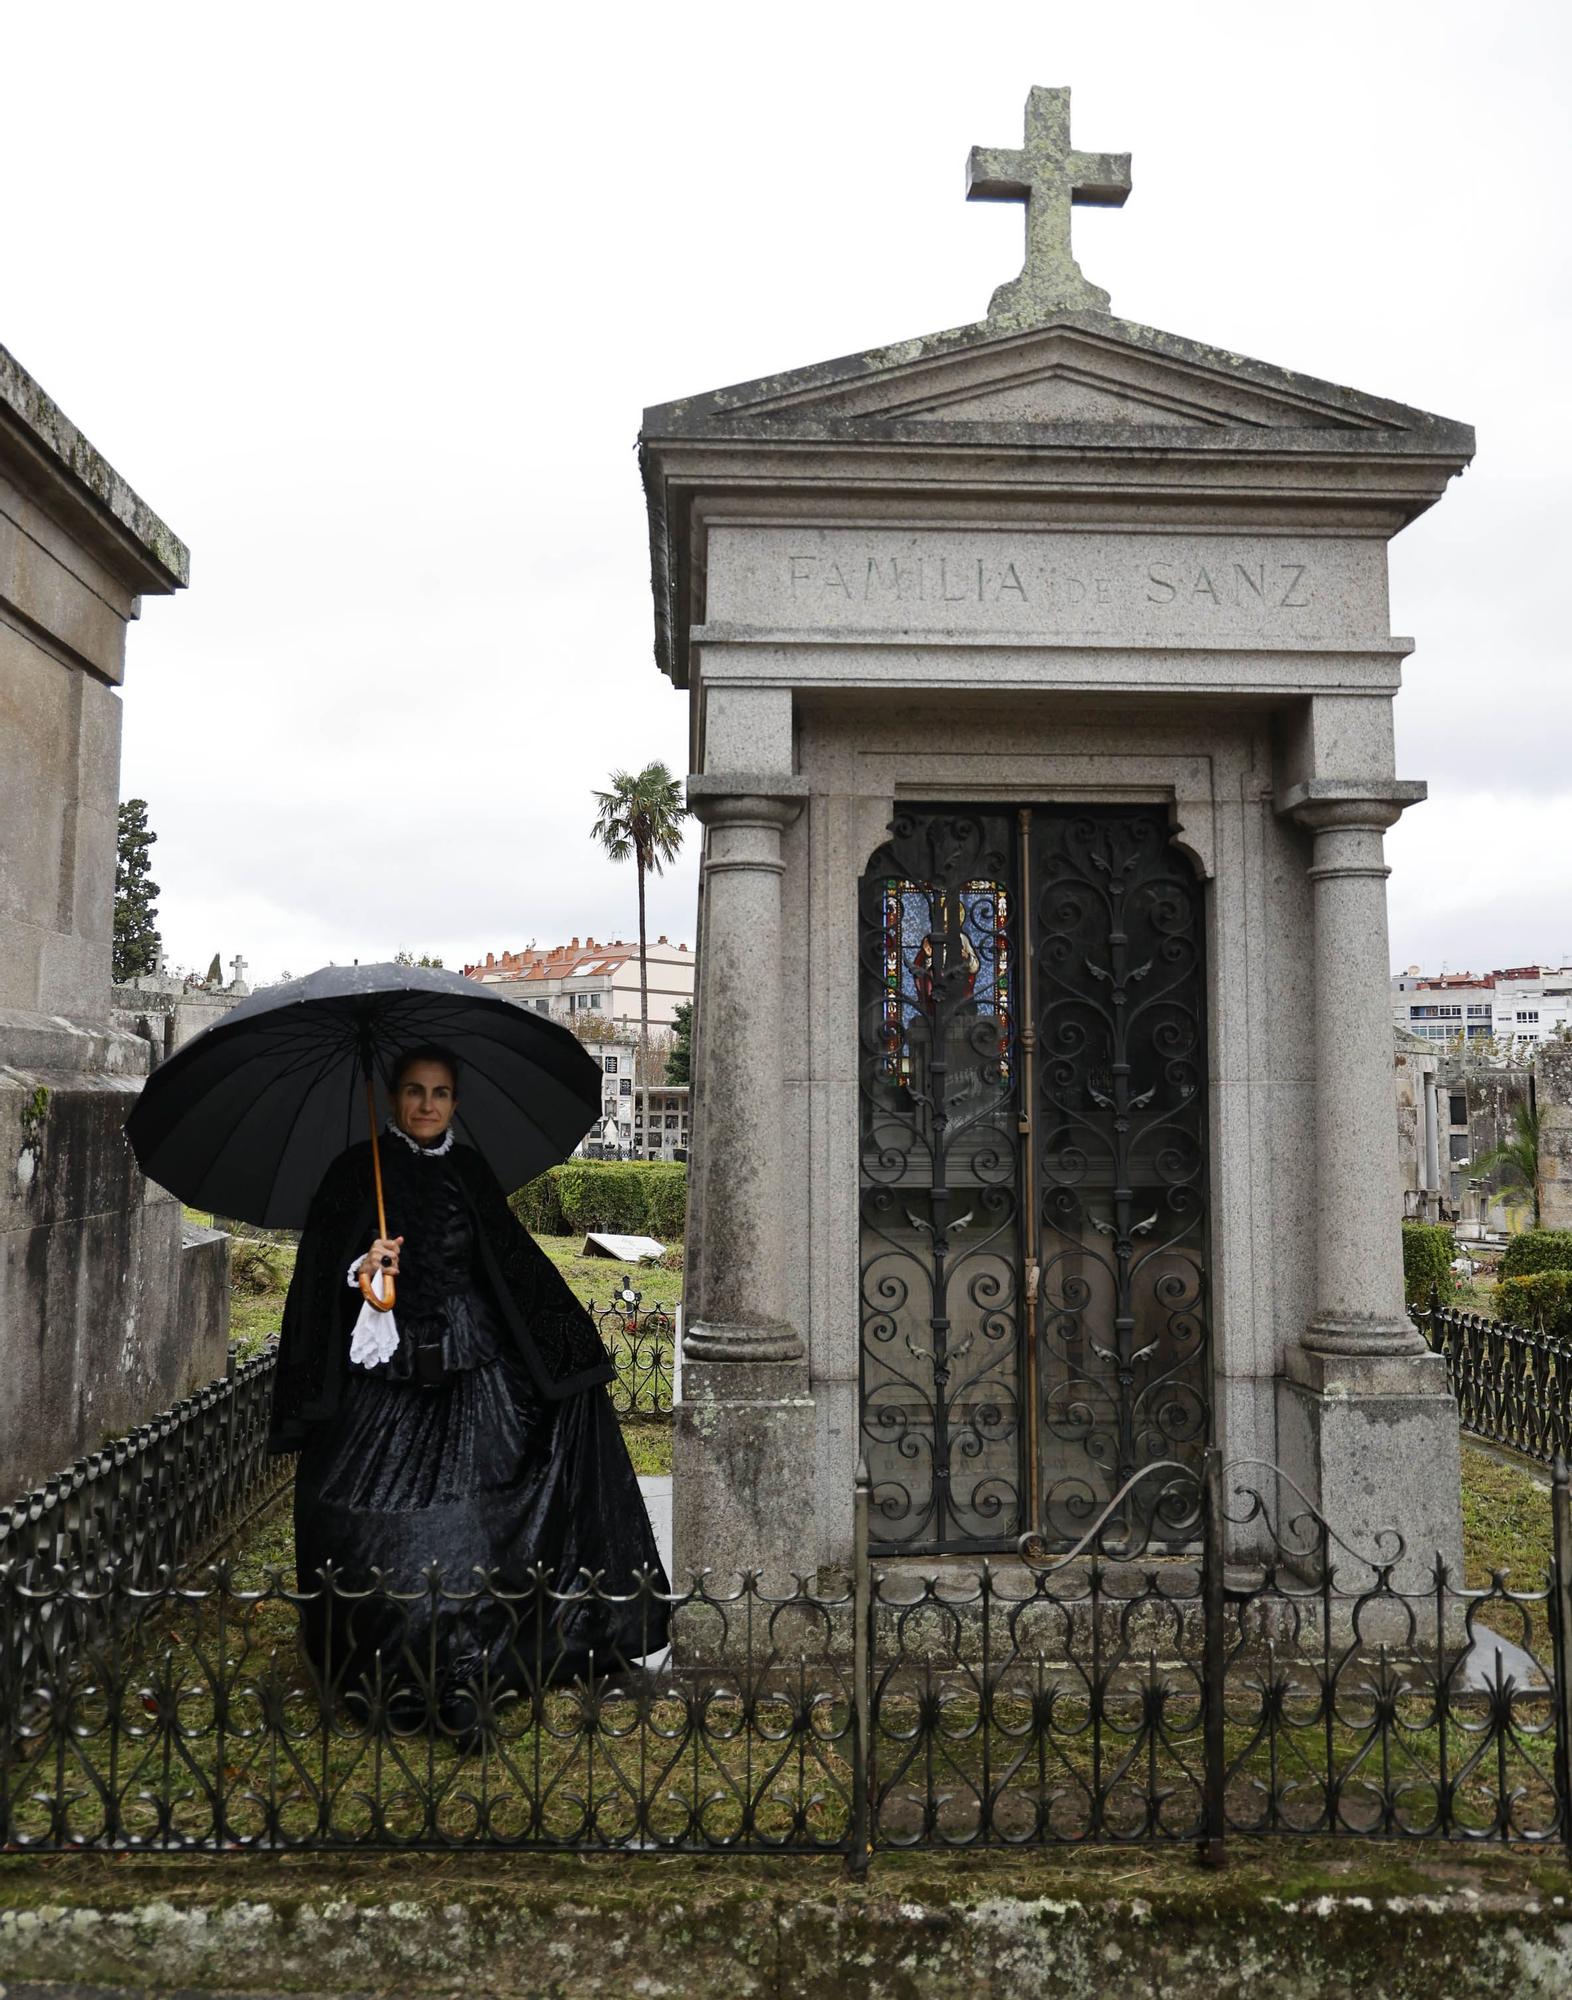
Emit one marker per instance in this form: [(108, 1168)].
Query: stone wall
[(1553, 1097), (168, 1020), (105, 1315), (108, 1311)]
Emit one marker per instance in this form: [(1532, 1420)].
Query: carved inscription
[(1278, 586), (966, 579), (1110, 587)]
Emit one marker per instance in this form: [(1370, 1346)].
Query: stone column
[(741, 1283), (744, 1430), (1433, 1187), (1366, 1424), (1359, 1254)]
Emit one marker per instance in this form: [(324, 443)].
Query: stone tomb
[(1040, 682), (110, 1308)]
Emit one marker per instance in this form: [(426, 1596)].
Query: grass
[(598, 1278), (649, 1446), (1506, 1518)]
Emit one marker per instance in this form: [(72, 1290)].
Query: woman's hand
[(382, 1256)]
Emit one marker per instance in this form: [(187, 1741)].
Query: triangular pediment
[(1078, 372)]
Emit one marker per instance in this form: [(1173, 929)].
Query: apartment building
[(1517, 1005), (597, 977)]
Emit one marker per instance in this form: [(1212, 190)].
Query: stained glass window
[(944, 952)]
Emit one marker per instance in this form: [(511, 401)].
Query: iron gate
[(1033, 1185)]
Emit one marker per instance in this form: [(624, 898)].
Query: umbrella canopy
[(247, 1117)]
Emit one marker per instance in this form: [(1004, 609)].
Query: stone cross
[(1048, 175), (239, 967)]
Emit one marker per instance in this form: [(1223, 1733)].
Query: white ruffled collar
[(443, 1145)]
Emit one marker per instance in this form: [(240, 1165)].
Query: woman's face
[(425, 1100)]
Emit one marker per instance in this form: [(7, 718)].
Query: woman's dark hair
[(426, 1052)]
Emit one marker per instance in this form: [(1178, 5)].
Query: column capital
[(733, 798), (1362, 805)]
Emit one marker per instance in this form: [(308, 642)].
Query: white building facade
[(628, 1112), (567, 980), (1520, 1005)]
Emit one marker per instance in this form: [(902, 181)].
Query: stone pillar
[(742, 1279), (109, 1311), (1434, 1189), (1367, 1426), (1553, 1100), (744, 1430)]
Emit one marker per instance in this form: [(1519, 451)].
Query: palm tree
[(1517, 1161), (641, 816)]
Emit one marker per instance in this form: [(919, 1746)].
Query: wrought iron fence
[(1121, 1693), (191, 1476), (132, 1513), (642, 1340), (159, 1495), (1513, 1384)]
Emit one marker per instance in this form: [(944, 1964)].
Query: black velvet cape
[(554, 1334)]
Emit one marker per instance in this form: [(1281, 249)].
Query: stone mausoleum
[(110, 1306), (1040, 681)]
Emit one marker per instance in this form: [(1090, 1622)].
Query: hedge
[(628, 1197), (1428, 1251), (1537, 1250), (1544, 1299)]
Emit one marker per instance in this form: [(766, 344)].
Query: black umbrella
[(247, 1117)]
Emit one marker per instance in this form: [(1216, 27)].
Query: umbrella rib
[(293, 1067), (323, 1072)]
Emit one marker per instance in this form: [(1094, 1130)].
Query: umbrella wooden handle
[(367, 1278)]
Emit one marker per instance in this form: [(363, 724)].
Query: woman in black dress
[(474, 1433)]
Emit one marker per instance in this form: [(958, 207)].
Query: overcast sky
[(366, 301)]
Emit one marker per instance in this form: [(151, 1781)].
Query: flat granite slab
[(1295, 1919)]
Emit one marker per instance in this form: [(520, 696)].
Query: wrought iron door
[(1034, 1197)]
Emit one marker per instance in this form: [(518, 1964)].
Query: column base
[(1373, 1335), (760, 1340), (1372, 1443), (743, 1471)]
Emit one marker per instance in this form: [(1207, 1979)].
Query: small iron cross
[(1048, 175)]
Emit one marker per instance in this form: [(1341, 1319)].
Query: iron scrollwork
[(940, 1205), (1121, 1155)]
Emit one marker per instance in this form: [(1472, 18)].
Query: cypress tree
[(137, 942)]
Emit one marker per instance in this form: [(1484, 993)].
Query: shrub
[(1542, 1299), (601, 1194), (1537, 1250), (627, 1197), (666, 1189), (539, 1206), (1427, 1262)]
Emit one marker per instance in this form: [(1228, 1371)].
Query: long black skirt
[(479, 1477)]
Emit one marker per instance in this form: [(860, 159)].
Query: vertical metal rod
[(1025, 1005), (1214, 1642), (1561, 1637), (862, 1677)]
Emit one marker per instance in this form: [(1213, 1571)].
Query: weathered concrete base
[(108, 1310), (743, 1444), (1372, 1441), (1294, 1920)]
